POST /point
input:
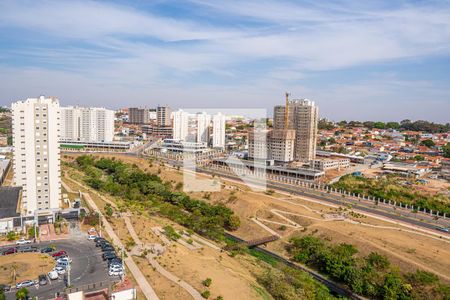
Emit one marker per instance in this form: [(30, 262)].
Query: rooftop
[(9, 200)]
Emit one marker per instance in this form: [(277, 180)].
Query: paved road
[(87, 267)]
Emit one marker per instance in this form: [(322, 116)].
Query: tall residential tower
[(36, 160)]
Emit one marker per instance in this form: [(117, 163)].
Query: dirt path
[(150, 257)]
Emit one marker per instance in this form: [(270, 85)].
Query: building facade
[(138, 115), (203, 121), (36, 158), (303, 117), (87, 124), (281, 144), (163, 114), (180, 125), (218, 131)]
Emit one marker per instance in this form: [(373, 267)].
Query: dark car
[(27, 249), (107, 249), (59, 253), (47, 250), (10, 251), (42, 279), (115, 261), (104, 245), (99, 238), (5, 288), (109, 255), (101, 242)]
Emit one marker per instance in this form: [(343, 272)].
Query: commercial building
[(326, 164), (138, 115), (175, 145), (218, 131), (36, 159), (302, 116), (87, 124)]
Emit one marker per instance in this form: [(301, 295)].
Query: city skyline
[(375, 58)]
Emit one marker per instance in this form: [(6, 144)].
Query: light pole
[(100, 222)]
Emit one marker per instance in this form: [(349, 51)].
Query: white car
[(92, 237), (115, 273), (53, 274), (60, 270), (64, 260), (115, 269), (23, 241)]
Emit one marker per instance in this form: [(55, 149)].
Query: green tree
[(393, 125), (446, 150), (419, 158), (207, 282), (428, 143), (2, 294), (379, 125), (11, 236), (108, 210), (22, 294), (395, 288)]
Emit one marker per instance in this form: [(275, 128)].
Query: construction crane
[(286, 112)]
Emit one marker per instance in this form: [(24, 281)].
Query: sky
[(358, 60)]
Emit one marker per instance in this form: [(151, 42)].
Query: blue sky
[(357, 59)]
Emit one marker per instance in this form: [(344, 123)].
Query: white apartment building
[(203, 122), (36, 156), (218, 131), (325, 164), (180, 125), (87, 124)]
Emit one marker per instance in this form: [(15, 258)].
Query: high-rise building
[(257, 144), (36, 159), (138, 115), (218, 131), (281, 145), (302, 116), (87, 124), (202, 123), (163, 116), (180, 125)]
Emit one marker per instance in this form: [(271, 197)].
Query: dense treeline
[(142, 189), (372, 275), (419, 125), (389, 189)]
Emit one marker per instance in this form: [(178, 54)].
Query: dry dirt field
[(28, 266), (408, 250)]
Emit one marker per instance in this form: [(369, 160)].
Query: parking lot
[(87, 267)]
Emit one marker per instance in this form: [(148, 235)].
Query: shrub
[(206, 294), (207, 282)]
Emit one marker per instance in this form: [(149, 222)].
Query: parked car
[(107, 249), (115, 268), (92, 230), (99, 238), (92, 237), (65, 259), (5, 288), (115, 273), (53, 274), (42, 279), (27, 249), (59, 253), (25, 283), (63, 264), (47, 249), (100, 243), (23, 241), (59, 270), (109, 256), (10, 251)]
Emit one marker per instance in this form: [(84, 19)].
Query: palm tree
[(22, 294)]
